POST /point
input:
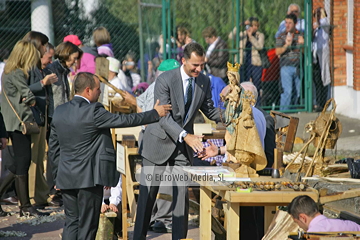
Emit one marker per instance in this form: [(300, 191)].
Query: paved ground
[(348, 144), (51, 228)]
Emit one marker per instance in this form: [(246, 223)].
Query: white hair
[(296, 5), (249, 86)]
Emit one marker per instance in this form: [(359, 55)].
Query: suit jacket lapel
[(179, 95)]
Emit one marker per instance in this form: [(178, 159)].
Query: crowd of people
[(50, 111)]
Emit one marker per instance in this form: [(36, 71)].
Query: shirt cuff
[(182, 135)]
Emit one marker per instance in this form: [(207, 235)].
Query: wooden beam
[(233, 219), (332, 179), (340, 196)]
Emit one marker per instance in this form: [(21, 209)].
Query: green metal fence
[(225, 16), (148, 29)]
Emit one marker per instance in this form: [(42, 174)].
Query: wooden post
[(269, 213), (233, 220), (124, 206), (205, 213)]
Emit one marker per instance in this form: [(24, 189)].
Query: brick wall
[(340, 41), (356, 51)]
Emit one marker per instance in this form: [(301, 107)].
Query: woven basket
[(335, 127)]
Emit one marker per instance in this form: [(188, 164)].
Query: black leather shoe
[(151, 226), (56, 201), (3, 213), (10, 201), (40, 206), (160, 227), (31, 211)]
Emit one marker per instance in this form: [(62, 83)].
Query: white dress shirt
[(211, 48), (82, 97)]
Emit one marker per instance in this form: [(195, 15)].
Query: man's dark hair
[(302, 204), (209, 32), (193, 47), (292, 17), (84, 80)]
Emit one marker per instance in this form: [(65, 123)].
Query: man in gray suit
[(171, 142), (83, 156)]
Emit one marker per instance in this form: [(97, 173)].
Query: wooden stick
[(106, 82), (302, 149), (298, 172)]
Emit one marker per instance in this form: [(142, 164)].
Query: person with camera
[(251, 41), (321, 58), (130, 70), (288, 48)]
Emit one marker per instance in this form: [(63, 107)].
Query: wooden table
[(268, 199)]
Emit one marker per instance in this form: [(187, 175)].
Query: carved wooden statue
[(245, 144)]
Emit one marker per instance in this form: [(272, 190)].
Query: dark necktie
[(188, 96)]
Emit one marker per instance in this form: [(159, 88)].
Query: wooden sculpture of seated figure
[(245, 144)]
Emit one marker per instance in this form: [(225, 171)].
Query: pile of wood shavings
[(33, 221), (12, 234)]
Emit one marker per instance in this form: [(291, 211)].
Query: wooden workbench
[(268, 199)]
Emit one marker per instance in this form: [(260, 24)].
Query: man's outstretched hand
[(194, 141), (162, 110), (210, 151)]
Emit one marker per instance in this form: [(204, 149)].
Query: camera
[(247, 27), (129, 64)]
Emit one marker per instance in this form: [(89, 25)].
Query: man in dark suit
[(216, 53), (83, 156), (171, 142)]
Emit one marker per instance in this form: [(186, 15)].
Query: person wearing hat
[(115, 77), (73, 39), (87, 62)]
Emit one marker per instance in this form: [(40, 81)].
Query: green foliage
[(67, 21), (124, 36)]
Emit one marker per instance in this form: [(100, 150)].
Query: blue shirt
[(260, 122)]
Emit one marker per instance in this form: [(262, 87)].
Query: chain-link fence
[(321, 53), (79, 17), (250, 30), (14, 24), (153, 30)]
